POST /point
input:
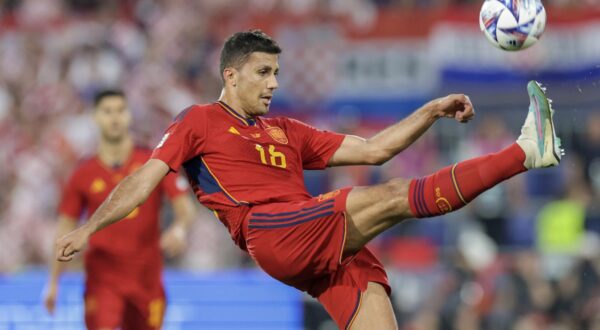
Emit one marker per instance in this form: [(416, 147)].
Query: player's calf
[(453, 187)]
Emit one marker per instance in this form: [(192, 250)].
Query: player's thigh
[(375, 310), (373, 209), (104, 307)]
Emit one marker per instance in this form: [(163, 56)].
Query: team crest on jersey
[(98, 186), (277, 134)]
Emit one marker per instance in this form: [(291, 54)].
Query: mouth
[(266, 99)]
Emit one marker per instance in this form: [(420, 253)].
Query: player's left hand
[(173, 240), (71, 243), (457, 106)]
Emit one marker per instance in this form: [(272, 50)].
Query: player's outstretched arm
[(65, 225), (386, 144), (127, 195)]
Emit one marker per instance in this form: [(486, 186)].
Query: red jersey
[(132, 241), (232, 161)]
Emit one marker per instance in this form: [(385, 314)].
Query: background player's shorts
[(301, 244), (108, 306)]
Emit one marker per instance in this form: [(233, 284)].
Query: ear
[(230, 76)]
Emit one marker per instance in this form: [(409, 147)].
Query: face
[(254, 83), (113, 118)]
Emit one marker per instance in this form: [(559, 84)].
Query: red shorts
[(301, 244), (108, 306)]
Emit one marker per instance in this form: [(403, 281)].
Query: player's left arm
[(174, 240), (130, 193), (392, 140)]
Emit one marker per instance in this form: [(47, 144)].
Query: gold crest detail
[(98, 186), (277, 134)]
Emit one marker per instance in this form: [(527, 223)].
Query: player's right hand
[(49, 296), (457, 106), (71, 243)]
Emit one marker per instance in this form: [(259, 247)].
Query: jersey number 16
[(276, 158)]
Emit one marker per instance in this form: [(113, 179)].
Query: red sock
[(454, 186)]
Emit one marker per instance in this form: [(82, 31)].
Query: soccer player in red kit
[(123, 282), (248, 169)]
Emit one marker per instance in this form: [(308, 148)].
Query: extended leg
[(373, 209)]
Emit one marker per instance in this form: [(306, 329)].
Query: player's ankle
[(529, 149)]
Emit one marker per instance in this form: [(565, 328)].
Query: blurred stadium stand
[(352, 66)]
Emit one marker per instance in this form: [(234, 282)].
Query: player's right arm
[(391, 141), (131, 192), (65, 225)]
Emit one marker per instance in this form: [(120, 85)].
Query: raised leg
[(373, 209)]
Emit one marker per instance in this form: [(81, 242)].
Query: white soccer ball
[(512, 24)]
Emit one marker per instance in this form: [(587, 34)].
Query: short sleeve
[(72, 200), (174, 185), (182, 140), (317, 146)]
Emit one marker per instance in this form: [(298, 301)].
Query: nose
[(272, 84)]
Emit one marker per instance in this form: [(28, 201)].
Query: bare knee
[(372, 210), (397, 203)]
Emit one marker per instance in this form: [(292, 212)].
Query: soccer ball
[(512, 24)]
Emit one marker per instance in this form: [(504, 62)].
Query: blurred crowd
[(441, 3), (525, 255)]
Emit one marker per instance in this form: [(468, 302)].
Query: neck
[(233, 102), (115, 153)]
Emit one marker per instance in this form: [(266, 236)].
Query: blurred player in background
[(248, 169), (123, 264)]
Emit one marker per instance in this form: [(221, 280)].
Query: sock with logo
[(454, 186)]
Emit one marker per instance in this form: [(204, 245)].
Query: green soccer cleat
[(538, 139)]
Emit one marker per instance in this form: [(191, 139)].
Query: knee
[(397, 189)]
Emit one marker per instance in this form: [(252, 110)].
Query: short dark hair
[(239, 46), (107, 93)]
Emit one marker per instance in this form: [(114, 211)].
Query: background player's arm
[(173, 240), (127, 195), (386, 144), (65, 225)]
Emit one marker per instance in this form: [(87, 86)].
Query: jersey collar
[(236, 115)]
